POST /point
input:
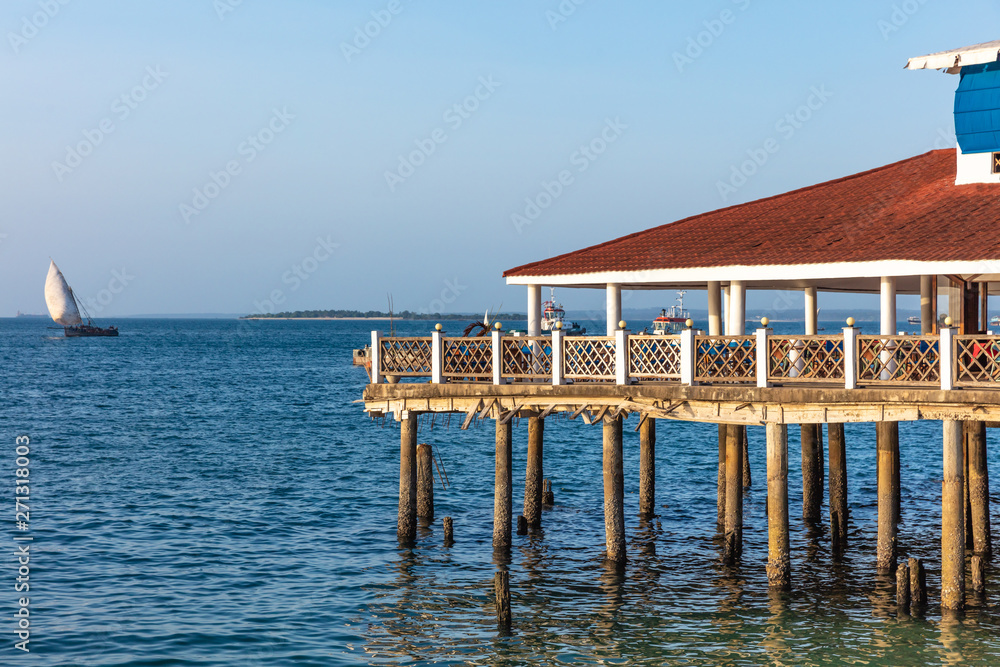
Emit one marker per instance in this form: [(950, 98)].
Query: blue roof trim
[(977, 109)]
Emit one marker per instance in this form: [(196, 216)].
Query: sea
[(210, 492)]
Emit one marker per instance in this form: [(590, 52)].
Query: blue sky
[(224, 156)]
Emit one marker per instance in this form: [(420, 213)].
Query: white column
[(850, 355), (888, 328), (376, 349), (621, 356), (727, 321), (534, 310), (811, 313), (497, 336), (946, 351), (737, 309), (614, 307), (687, 356), (557, 357), (763, 356), (437, 356), (714, 309)]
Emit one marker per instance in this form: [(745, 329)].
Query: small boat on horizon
[(553, 312), (673, 319), (913, 319), (65, 309)]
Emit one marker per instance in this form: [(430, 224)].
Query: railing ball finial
[(850, 321), (498, 326), (622, 324), (948, 321), (558, 325), (764, 322), (689, 323), (438, 327)]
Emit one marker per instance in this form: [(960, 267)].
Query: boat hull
[(84, 331)]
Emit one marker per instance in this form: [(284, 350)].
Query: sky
[(229, 156)]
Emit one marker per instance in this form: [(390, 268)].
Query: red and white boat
[(673, 319), (553, 312)]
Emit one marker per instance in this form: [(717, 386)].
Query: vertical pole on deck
[(887, 452), (733, 549), (425, 481), (838, 484), (927, 298), (533, 472), (614, 490), (406, 522), (778, 557), (614, 297), (979, 490), (534, 310), (503, 482), (952, 520), (647, 468)]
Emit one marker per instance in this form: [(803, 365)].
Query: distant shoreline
[(330, 318)]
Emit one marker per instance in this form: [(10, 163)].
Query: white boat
[(913, 319), (553, 312), (673, 319), (65, 310)]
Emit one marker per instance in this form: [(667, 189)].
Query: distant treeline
[(403, 315)]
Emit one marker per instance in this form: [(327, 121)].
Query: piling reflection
[(611, 586), (778, 640), (950, 629)]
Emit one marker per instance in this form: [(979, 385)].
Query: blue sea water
[(206, 492)]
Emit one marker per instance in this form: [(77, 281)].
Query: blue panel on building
[(977, 109)]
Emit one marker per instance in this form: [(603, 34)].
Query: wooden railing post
[(497, 356), (557, 357), (376, 354), (850, 355), (437, 355), (688, 356), (946, 352), (621, 356), (763, 354)]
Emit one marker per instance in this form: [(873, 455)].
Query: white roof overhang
[(860, 277), (953, 61)]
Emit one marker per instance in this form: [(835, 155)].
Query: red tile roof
[(909, 210)]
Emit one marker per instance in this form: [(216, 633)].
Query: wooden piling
[(979, 490), (838, 484), (425, 481), (903, 586), (548, 498), (747, 482), (502, 498), (888, 490), (614, 490), (406, 523), (918, 583), (952, 519), (978, 568), (720, 503), (449, 530), (968, 502), (778, 557), (812, 474), (501, 592), (733, 548), (533, 473), (522, 525), (647, 468)]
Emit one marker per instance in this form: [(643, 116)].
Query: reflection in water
[(778, 639), (951, 636)]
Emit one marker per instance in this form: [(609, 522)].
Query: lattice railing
[(899, 359), (526, 357), (405, 357), (805, 358), (654, 357), (468, 358), (977, 360), (589, 358), (720, 358)]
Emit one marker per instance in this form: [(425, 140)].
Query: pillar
[(812, 313), (534, 310), (533, 473), (406, 523), (714, 309), (778, 558), (614, 307), (721, 479), (888, 306), (979, 490), (952, 520), (838, 484), (812, 474), (647, 468), (887, 452), (425, 481), (502, 495), (614, 490), (927, 298), (733, 548), (737, 309), (715, 328)]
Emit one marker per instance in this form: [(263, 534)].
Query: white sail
[(59, 299)]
